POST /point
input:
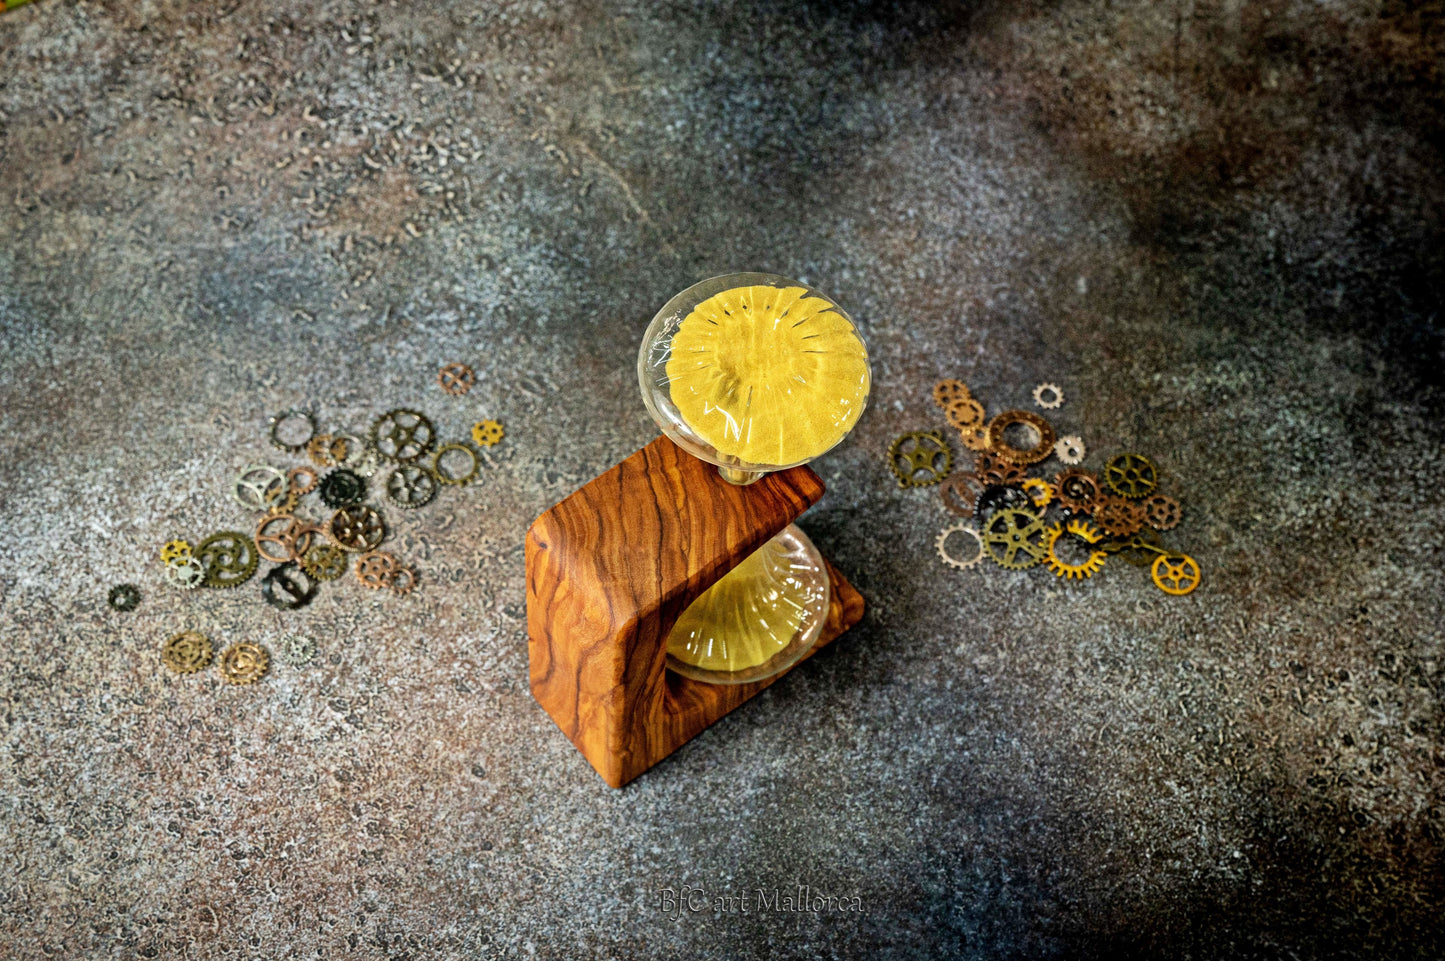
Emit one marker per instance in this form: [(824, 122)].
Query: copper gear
[(1162, 513), (961, 492), (456, 379), (377, 569), (946, 392), (1049, 396), (403, 581), (244, 663), (1084, 569), (964, 413), (1015, 455), (998, 472), (1077, 490), (949, 559), (1176, 574), (301, 480), (1117, 517)]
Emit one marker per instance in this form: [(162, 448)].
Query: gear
[(1070, 449), (474, 468), (411, 486), (301, 480), (276, 538), (456, 379), (995, 498), (325, 450), (965, 413), (187, 652), (487, 433), (342, 488), (998, 443), (175, 549), (1049, 396), (403, 581), (1162, 513), (946, 392), (244, 663), (975, 439), (325, 562), (961, 492), (1086, 568), (286, 418), (1176, 574), (296, 649), (402, 436), (1077, 490), (1117, 517), (1131, 475), (1137, 551), (228, 558), (997, 471), (357, 528), (186, 572), (1014, 539), (123, 597), (949, 559), (286, 587), (377, 569), (258, 486), (364, 464), (919, 458), (1040, 491)]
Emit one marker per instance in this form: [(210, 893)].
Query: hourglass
[(674, 587)]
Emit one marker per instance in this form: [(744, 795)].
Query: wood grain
[(610, 569)]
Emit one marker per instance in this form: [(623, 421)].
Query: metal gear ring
[(186, 572), (258, 487), (474, 466), (456, 379), (1014, 539), (487, 433), (964, 413), (288, 418), (1070, 449), (376, 569), (1176, 574), (1131, 475), (919, 458), (325, 562), (123, 597), (244, 663), (411, 486), (1049, 396), (342, 488), (998, 441), (1118, 517), (402, 436), (187, 652), (1162, 513), (961, 492), (296, 650), (175, 549), (287, 587), (357, 528), (1077, 490), (229, 558), (942, 545), (1061, 568), (946, 392)]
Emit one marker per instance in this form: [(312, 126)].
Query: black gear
[(123, 597), (287, 587), (342, 488)]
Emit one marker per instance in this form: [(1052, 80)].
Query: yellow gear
[(1087, 568)]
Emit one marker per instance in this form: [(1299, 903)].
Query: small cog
[(942, 545), (175, 549), (1070, 449), (1049, 396), (1084, 569), (487, 433), (919, 458), (187, 652), (244, 663)]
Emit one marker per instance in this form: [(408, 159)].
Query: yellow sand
[(744, 619), (768, 375)]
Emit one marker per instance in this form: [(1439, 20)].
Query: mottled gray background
[(1216, 224)]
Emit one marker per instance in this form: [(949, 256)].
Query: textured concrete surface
[(1216, 224)]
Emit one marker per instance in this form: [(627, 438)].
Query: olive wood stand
[(610, 569)]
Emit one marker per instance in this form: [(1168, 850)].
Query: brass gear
[(1176, 574), (1118, 517), (976, 439), (1137, 551), (402, 436), (1018, 455), (1081, 531), (964, 413), (473, 470), (1077, 490), (325, 562), (487, 433), (175, 550), (1040, 491), (187, 652), (1011, 533), (949, 559), (946, 392), (1162, 513), (1131, 475), (229, 558), (244, 663), (918, 453)]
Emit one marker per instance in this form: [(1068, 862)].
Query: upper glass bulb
[(754, 373)]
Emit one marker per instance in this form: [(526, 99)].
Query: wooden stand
[(610, 569)]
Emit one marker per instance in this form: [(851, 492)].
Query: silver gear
[(949, 559), (295, 649)]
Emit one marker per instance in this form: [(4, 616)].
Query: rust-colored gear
[(998, 443), (1176, 574), (1077, 490), (946, 392), (919, 458), (1117, 517), (998, 472), (487, 433), (1162, 513), (175, 550), (1086, 568), (1131, 475), (244, 663), (403, 581), (961, 492), (301, 480), (276, 537), (456, 379), (964, 413), (377, 569), (187, 652), (1040, 491)]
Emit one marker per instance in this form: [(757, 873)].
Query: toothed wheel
[(1049, 396), (1070, 449), (949, 559), (920, 458), (946, 392), (1083, 533), (1014, 539), (1131, 475)]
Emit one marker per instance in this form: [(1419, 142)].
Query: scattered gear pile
[(399, 463), (1070, 520)]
